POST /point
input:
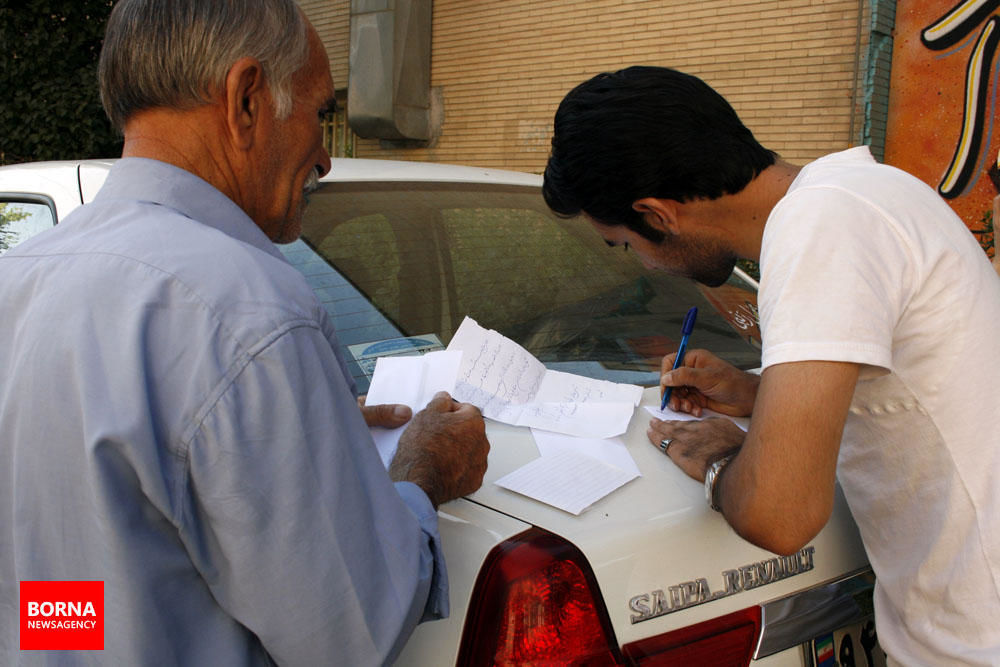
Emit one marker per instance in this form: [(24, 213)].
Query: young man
[(175, 417), (880, 318)]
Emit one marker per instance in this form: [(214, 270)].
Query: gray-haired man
[(176, 420)]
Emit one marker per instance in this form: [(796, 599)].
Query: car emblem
[(693, 593)]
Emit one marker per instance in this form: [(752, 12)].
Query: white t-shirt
[(863, 263)]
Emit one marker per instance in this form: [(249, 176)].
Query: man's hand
[(695, 445), (705, 381), (443, 450), (778, 491), (388, 415)]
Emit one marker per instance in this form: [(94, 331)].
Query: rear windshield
[(400, 265)]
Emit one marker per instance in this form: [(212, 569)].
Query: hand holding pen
[(686, 330), (710, 383)]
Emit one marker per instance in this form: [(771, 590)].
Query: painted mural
[(942, 103)]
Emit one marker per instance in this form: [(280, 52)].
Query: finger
[(684, 399), (663, 443), (699, 357), (668, 362), (389, 415), (679, 377), (466, 410), (695, 358), (668, 380), (659, 429), (688, 405), (442, 402)]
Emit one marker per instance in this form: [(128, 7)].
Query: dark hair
[(646, 132)]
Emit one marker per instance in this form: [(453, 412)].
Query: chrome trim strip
[(745, 277), (803, 616)]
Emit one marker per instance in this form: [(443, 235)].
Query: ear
[(659, 213), (246, 98)]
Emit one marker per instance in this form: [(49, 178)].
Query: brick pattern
[(332, 19), (789, 67)]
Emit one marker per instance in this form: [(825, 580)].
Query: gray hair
[(176, 53)]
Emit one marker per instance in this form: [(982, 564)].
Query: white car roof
[(360, 169), (343, 170), (70, 183)]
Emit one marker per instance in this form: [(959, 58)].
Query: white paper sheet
[(566, 480), (510, 385), (607, 450), (412, 381), (671, 415)]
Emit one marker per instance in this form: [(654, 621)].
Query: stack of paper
[(574, 419)]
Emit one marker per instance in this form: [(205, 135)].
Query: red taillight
[(537, 602), (727, 641)]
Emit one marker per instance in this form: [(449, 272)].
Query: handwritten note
[(510, 385), (497, 375), (566, 480)]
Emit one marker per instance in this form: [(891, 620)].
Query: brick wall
[(332, 19), (789, 67)]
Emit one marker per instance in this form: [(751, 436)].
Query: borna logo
[(62, 615)]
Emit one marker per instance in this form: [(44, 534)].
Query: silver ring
[(665, 445)]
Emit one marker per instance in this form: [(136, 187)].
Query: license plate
[(853, 646)]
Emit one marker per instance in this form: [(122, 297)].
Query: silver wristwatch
[(711, 476)]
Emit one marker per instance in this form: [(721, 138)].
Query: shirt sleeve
[(834, 277), (432, 563), (292, 520)]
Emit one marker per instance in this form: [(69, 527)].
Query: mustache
[(312, 181)]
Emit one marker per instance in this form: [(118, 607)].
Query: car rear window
[(397, 260)]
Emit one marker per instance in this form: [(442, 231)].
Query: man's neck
[(189, 140), (741, 217)]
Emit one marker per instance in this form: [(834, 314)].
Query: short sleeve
[(834, 277)]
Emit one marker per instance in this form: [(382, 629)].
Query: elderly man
[(176, 420), (880, 318)]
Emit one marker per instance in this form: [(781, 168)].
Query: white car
[(400, 253)]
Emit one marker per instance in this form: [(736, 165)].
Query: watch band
[(712, 477)]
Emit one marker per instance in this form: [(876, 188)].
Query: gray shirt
[(176, 420)]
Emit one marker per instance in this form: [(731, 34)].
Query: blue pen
[(679, 359)]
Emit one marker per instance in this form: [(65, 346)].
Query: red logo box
[(62, 615)]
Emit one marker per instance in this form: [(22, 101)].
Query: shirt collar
[(161, 183)]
